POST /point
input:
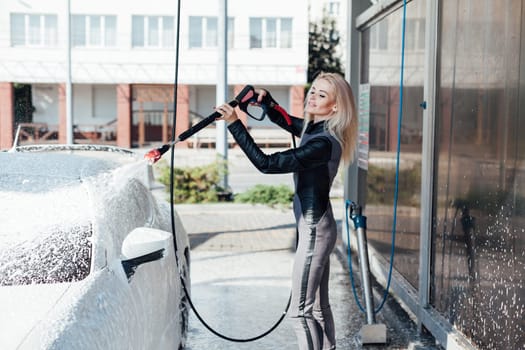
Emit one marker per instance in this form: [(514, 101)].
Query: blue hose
[(396, 190), (349, 251)]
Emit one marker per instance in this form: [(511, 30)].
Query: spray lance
[(246, 97), (247, 102)]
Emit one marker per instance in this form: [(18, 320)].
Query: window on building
[(93, 31), (379, 36), (333, 8), (204, 32), (153, 31), (415, 34), (270, 32), (256, 34), (210, 34), (34, 29), (286, 33)]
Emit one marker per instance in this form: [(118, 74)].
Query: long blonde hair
[(343, 124)]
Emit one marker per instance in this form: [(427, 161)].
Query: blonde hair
[(343, 123)]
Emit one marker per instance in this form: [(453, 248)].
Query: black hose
[(172, 211)]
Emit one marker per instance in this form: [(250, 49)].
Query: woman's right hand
[(227, 113)]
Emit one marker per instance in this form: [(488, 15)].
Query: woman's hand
[(261, 94), (227, 112)]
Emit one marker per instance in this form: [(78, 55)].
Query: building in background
[(123, 64)]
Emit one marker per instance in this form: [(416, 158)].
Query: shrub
[(194, 184), (266, 194), (201, 185)]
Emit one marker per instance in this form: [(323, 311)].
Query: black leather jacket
[(314, 163)]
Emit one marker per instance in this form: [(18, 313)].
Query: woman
[(328, 133)]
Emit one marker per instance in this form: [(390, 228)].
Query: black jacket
[(314, 163)]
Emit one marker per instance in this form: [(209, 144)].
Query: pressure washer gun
[(244, 99)]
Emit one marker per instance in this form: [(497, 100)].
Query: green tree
[(322, 48)]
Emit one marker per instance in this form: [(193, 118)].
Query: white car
[(87, 258)]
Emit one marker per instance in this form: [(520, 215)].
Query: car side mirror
[(143, 245)]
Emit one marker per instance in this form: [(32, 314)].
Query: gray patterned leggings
[(310, 309)]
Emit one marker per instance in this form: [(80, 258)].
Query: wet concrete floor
[(240, 272)]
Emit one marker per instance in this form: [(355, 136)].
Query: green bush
[(201, 185), (194, 184), (266, 194)]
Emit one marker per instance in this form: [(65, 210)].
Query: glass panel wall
[(381, 70), (479, 219)]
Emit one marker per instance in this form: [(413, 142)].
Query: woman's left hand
[(227, 112)]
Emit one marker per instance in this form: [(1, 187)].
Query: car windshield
[(45, 230), (58, 255)]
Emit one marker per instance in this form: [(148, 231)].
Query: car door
[(154, 285)]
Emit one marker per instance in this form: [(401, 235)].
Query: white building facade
[(122, 59)]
